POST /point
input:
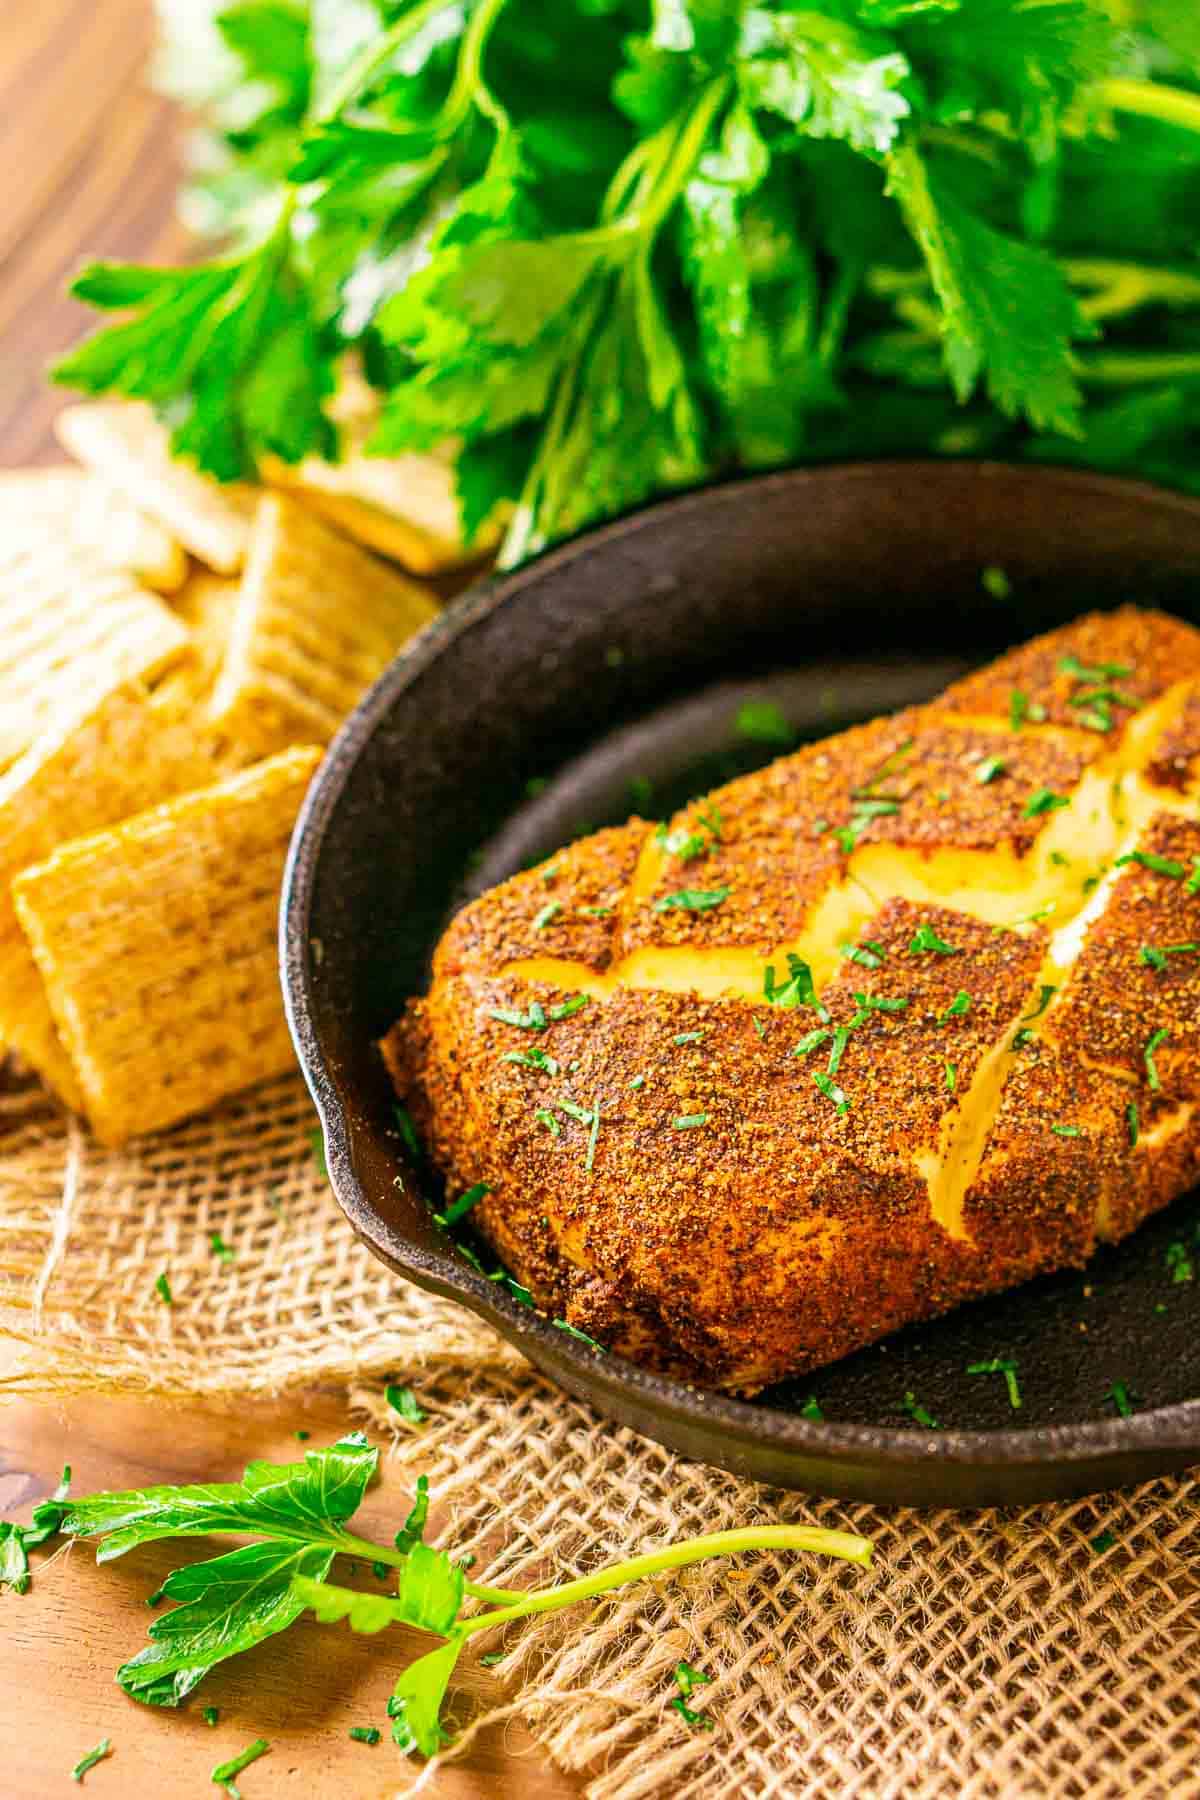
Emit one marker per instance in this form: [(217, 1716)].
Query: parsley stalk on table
[(300, 1514), (609, 248)]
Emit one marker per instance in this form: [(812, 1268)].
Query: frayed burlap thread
[(986, 1656)]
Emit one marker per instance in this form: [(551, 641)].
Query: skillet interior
[(624, 656)]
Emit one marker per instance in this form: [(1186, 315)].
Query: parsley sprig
[(300, 1516), (607, 248)]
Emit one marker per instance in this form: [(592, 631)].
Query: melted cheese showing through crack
[(1110, 806)]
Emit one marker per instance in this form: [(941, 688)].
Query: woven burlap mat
[(985, 1654)]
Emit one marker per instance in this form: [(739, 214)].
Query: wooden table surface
[(91, 160)]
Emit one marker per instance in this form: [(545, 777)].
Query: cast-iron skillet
[(539, 706)]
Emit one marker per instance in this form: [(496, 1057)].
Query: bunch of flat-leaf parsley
[(299, 1514), (610, 246)]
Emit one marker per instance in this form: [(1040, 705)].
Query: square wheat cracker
[(88, 512), (124, 444), (97, 765), (317, 620), (70, 628), (156, 941)]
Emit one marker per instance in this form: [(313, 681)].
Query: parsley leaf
[(692, 900)]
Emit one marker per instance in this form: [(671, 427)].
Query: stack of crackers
[(174, 656)]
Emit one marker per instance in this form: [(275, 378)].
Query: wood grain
[(61, 1643), (92, 160)]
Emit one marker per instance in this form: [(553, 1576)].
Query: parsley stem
[(369, 1551), (1151, 100), (373, 55), (679, 1556)]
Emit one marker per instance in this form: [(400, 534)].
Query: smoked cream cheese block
[(907, 1017)]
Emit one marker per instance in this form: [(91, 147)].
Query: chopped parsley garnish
[(1179, 1262), (951, 1076), (763, 723), (566, 1008), (1159, 865), (915, 1410), (831, 1090), (596, 912), (689, 1121), (224, 1772), (641, 793), (548, 912), (162, 1288), (1045, 800), (812, 1040), (690, 1037), (926, 939), (797, 990), (1155, 958), (1071, 665), (995, 582), (681, 843), (1131, 1113), (1152, 1043), (210, 1715), (316, 1139), (692, 900), (581, 1336), (533, 1020), (408, 1132), (989, 769), (549, 1121), (549, 873), (1021, 1038), (960, 1005), (893, 764), (1046, 993), (1066, 1130), (1103, 1540), (1118, 1393), (92, 1757), (532, 1059), (710, 818), (862, 814), (812, 1410), (841, 1038), (687, 1680), (881, 1003), (1035, 918), (1022, 708), (581, 1114), (364, 1734), (638, 1082), (869, 954), (593, 1134), (758, 1025), (520, 1294), (1193, 880), (1001, 1365), (402, 1400), (458, 1209), (220, 1249)]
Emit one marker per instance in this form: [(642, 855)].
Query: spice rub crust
[(738, 1186)]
